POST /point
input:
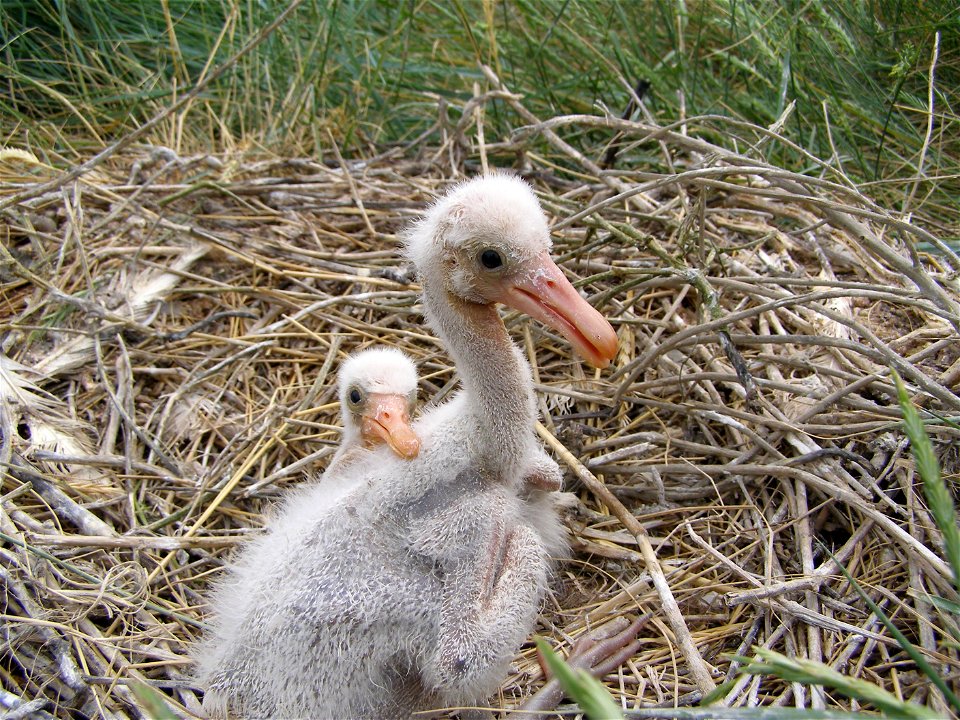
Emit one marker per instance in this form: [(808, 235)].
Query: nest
[(172, 328)]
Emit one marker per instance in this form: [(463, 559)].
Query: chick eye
[(354, 396), (491, 259)]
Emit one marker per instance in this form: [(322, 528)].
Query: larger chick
[(402, 585)]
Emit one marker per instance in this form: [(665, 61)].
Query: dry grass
[(172, 327)]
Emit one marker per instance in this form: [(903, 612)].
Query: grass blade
[(153, 701), (592, 697), (810, 672), (934, 488), (908, 646)]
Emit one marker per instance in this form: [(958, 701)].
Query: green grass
[(370, 72)]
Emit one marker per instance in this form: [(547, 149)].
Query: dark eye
[(490, 259), (355, 396)]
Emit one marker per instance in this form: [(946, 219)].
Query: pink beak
[(386, 419), (545, 293)]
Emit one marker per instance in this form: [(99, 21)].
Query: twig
[(931, 95), (65, 508)]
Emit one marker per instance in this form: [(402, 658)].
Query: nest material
[(172, 327)]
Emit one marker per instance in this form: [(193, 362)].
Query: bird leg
[(598, 652), (489, 605), (493, 571)]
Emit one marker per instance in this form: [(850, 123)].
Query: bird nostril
[(386, 415)]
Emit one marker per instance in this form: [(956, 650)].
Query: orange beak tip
[(387, 422), (545, 294), (407, 448)]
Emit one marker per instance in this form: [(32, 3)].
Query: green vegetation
[(935, 490), (153, 701), (809, 672), (372, 72)]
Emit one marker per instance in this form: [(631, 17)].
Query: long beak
[(545, 294), (385, 419)]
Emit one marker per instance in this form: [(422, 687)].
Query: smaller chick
[(377, 389), (378, 393)]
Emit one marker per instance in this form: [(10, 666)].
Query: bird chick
[(377, 388)]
